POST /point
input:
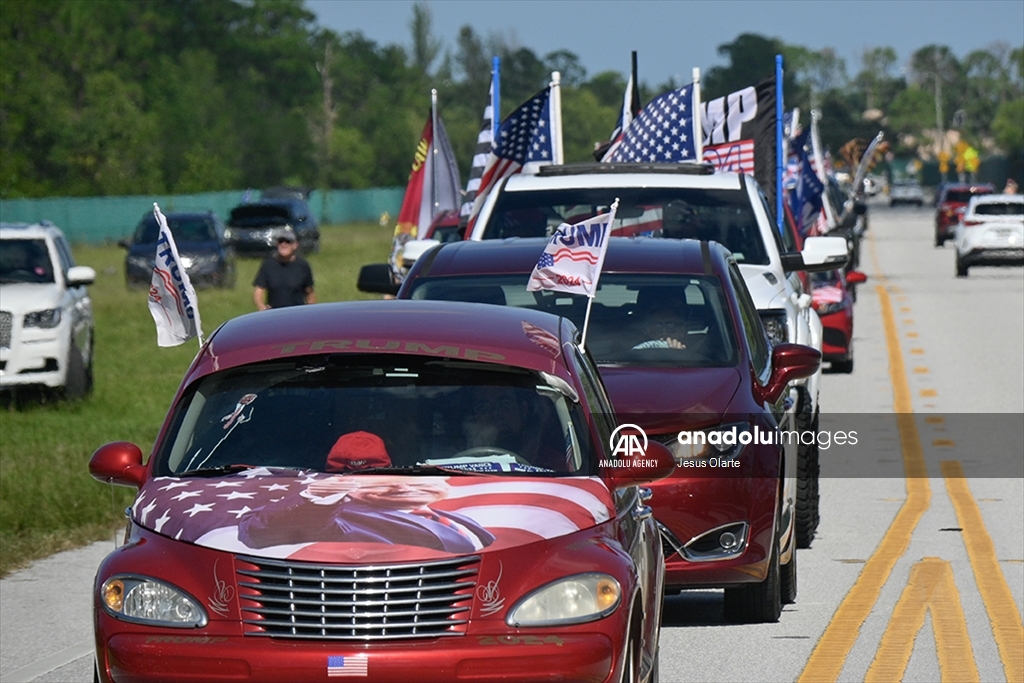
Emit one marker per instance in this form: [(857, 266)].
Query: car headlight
[(148, 601), (45, 319), (724, 442), (572, 600), (776, 326), (827, 307), (228, 233)]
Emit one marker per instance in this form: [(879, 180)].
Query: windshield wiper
[(417, 470), (216, 471)]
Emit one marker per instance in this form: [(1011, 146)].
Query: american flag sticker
[(346, 665)]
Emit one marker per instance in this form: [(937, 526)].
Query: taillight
[(971, 222)]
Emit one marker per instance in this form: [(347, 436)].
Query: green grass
[(48, 501)]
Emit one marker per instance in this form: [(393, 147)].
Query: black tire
[(76, 380), (807, 469), (630, 669), (939, 241), (961, 267), (757, 603), (842, 366), (90, 383), (788, 580)]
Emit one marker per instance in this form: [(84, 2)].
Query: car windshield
[(1000, 209), (963, 196), (827, 278), (184, 229), (374, 413), (724, 216), (25, 260), (635, 319)]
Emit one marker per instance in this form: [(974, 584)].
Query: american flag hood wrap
[(269, 512)]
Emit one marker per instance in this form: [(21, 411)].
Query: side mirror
[(80, 275), (823, 253), (789, 362), (118, 463), (656, 462), (855, 277), (377, 278)]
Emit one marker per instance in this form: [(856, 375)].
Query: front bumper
[(35, 357), (179, 655)]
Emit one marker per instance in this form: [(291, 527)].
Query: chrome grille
[(286, 599), (6, 321)]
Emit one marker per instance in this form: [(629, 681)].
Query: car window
[(724, 216), (184, 229), (1000, 209), (25, 260), (757, 340), (964, 196), (629, 316), (67, 261), (449, 413)]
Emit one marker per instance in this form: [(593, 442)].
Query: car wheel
[(629, 665), (807, 466), (844, 367), (757, 603), (961, 267), (76, 380), (788, 580), (89, 378), (939, 241)]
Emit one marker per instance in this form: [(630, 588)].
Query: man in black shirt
[(284, 277)]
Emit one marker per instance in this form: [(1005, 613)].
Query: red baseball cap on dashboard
[(357, 451)]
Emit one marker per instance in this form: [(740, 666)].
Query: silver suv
[(690, 201), (46, 322)]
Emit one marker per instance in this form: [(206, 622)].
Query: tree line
[(120, 97)]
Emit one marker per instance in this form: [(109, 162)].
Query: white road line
[(47, 664)]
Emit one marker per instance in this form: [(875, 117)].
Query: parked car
[(253, 226), (832, 298), (951, 205), (906, 191), (199, 237), (46, 321), (337, 490), (990, 232), (682, 350), (690, 200)]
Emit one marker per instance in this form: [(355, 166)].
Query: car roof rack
[(614, 168)]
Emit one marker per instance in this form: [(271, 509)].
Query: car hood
[(186, 247), (272, 513), (763, 291), (662, 400), (24, 297)]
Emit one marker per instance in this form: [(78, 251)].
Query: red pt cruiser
[(389, 491)]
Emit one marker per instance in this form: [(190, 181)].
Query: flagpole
[(433, 154), (819, 161), (779, 112), (600, 265), (698, 130), (556, 117), (496, 98)]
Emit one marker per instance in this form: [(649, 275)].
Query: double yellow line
[(931, 578)]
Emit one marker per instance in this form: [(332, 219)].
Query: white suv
[(46, 322), (690, 201)]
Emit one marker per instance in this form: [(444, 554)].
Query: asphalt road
[(915, 578)]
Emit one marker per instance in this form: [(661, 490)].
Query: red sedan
[(683, 353), (357, 490), (951, 204), (832, 299)]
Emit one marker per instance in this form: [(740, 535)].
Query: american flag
[(525, 136), (346, 665), (542, 338), (484, 142), (207, 511), (663, 132)]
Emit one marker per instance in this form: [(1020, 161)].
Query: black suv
[(199, 236), (252, 227)]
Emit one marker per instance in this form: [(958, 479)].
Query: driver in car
[(502, 418)]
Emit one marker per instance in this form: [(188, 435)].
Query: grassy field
[(48, 501)]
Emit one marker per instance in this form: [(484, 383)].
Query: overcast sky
[(672, 37)]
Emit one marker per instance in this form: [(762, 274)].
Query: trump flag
[(573, 257), (172, 299)]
